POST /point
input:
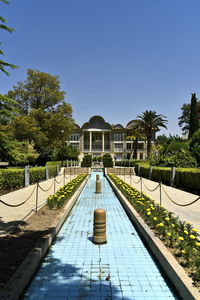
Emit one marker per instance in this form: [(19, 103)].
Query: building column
[(90, 141), (102, 141)]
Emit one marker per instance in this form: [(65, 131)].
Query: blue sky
[(115, 58)]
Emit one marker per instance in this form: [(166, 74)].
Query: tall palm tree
[(148, 123), (135, 135)]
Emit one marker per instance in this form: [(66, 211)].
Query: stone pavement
[(75, 268), (11, 216), (186, 213)]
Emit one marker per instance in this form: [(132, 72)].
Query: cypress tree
[(194, 118)]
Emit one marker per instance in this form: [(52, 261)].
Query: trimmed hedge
[(186, 178), (12, 179), (107, 161), (87, 161), (127, 163)]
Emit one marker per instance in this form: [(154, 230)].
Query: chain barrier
[(136, 182), (58, 182), (150, 189), (188, 204), (45, 190), (17, 205)]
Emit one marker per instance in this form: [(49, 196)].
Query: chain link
[(150, 189), (45, 190), (188, 204), (17, 205)]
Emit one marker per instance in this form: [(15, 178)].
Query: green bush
[(87, 161), (107, 161), (12, 179)]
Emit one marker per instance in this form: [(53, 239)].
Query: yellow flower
[(169, 234), (185, 231), (173, 225), (195, 229), (198, 244), (183, 251), (193, 237), (180, 238), (155, 218), (160, 225), (167, 219), (149, 213)]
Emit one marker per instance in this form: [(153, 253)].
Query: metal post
[(64, 176), (27, 177), (141, 185), (47, 172), (150, 172), (124, 175), (173, 175), (36, 198), (160, 193)]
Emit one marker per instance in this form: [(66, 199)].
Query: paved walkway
[(75, 268), (186, 213), (11, 216)]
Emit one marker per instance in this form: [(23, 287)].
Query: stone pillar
[(102, 141), (27, 176), (99, 230), (90, 149)]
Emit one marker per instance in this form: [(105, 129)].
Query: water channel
[(75, 268)]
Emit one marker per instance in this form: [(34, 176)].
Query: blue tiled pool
[(75, 268)]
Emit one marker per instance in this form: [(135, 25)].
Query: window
[(128, 146), (75, 145), (75, 136), (141, 156), (118, 148), (118, 137)]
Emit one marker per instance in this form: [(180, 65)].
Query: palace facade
[(98, 137)]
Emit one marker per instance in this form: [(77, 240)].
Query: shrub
[(58, 199), (107, 161), (87, 161)]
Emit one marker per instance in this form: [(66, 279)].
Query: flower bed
[(58, 199), (179, 236)]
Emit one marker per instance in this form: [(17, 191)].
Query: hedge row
[(186, 178), (107, 161), (12, 179), (126, 163), (87, 161)]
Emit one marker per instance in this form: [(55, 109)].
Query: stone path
[(186, 213), (75, 268), (10, 216)]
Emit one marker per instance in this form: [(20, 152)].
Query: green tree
[(148, 123), (3, 26), (184, 119), (195, 145), (39, 91), (194, 118)]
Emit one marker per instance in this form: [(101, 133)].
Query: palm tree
[(135, 136), (148, 123)]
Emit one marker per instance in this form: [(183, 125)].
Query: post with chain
[(124, 174), (36, 197), (160, 193), (141, 185), (130, 176)]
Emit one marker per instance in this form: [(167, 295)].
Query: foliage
[(12, 179), (107, 161), (195, 146), (3, 26), (148, 123), (181, 236), (39, 91), (45, 119), (87, 161), (58, 199), (185, 117), (194, 123), (172, 151), (135, 134), (127, 163)]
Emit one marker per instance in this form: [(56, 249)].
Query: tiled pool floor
[(75, 268)]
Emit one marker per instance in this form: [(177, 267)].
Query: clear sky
[(115, 58)]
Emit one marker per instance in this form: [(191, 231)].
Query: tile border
[(24, 273), (176, 274)]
